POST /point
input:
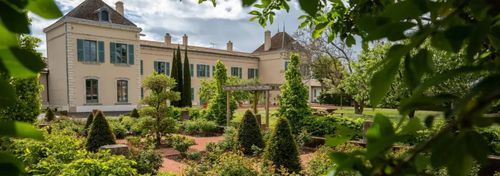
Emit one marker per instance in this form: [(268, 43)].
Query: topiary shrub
[(281, 149), (249, 134), (99, 133), (181, 144), (134, 113), (90, 119), (49, 115)]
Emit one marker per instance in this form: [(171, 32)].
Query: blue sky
[(203, 23)]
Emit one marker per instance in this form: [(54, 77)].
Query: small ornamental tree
[(100, 133), (135, 113), (90, 119), (217, 104), (281, 148), (160, 87), (186, 89), (249, 133), (49, 115), (293, 97)]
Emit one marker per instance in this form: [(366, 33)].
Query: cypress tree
[(293, 103), (100, 133), (174, 73), (179, 80), (249, 133), (281, 148), (186, 92)]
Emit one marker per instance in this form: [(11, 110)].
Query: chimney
[(185, 40), (267, 40), (119, 8), (229, 46), (168, 39)]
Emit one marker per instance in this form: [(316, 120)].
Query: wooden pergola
[(249, 87)]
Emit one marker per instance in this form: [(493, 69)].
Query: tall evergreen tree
[(186, 92), (180, 82), (217, 104), (174, 73), (293, 103)]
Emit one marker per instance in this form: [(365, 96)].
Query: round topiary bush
[(134, 113), (100, 133), (49, 115), (249, 133), (281, 148)]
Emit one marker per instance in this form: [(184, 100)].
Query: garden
[(424, 95)]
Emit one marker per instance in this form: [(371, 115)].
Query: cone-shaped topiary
[(249, 133), (134, 113), (49, 115), (281, 148), (100, 133), (90, 119)]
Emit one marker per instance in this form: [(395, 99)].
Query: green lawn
[(368, 114)]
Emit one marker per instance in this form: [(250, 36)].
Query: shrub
[(199, 126), (68, 125), (148, 161), (100, 133), (134, 141), (249, 133), (134, 113), (282, 149), (302, 138), (49, 115), (128, 122), (321, 161), (27, 105), (101, 163), (90, 119), (181, 143), (118, 128), (194, 156), (230, 141), (324, 125)]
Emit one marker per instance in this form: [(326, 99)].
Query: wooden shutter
[(131, 54), (112, 50), (100, 46), (79, 48)]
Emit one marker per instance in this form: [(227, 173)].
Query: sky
[(204, 24)]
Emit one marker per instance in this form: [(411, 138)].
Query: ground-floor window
[(253, 73), (122, 91), (91, 91)]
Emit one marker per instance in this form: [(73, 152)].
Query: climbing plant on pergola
[(266, 88)]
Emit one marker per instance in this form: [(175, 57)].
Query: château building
[(97, 60)]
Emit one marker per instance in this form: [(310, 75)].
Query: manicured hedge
[(100, 133), (249, 133)]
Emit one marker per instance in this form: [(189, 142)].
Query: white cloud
[(203, 23)]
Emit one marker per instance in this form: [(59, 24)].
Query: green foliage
[(118, 128), (281, 148), (176, 74), (209, 87), (186, 89), (134, 113), (249, 133), (293, 103), (199, 126), (102, 163), (181, 143), (328, 97), (100, 133), (321, 163), (90, 119), (230, 141), (147, 161), (160, 87), (27, 105), (49, 115), (217, 105), (194, 156), (69, 125)]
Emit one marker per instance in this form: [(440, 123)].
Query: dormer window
[(104, 16)]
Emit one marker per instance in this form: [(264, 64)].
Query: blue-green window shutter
[(142, 67), (208, 71), (101, 51), (79, 47), (131, 54), (112, 51)]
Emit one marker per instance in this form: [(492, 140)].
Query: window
[(142, 67), (122, 53), (253, 73), (122, 91), (192, 94), (203, 70), (91, 91), (104, 16), (162, 67), (236, 71), (142, 92), (90, 50)]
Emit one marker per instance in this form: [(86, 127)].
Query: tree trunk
[(411, 114), (158, 134), (255, 101), (358, 108)]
